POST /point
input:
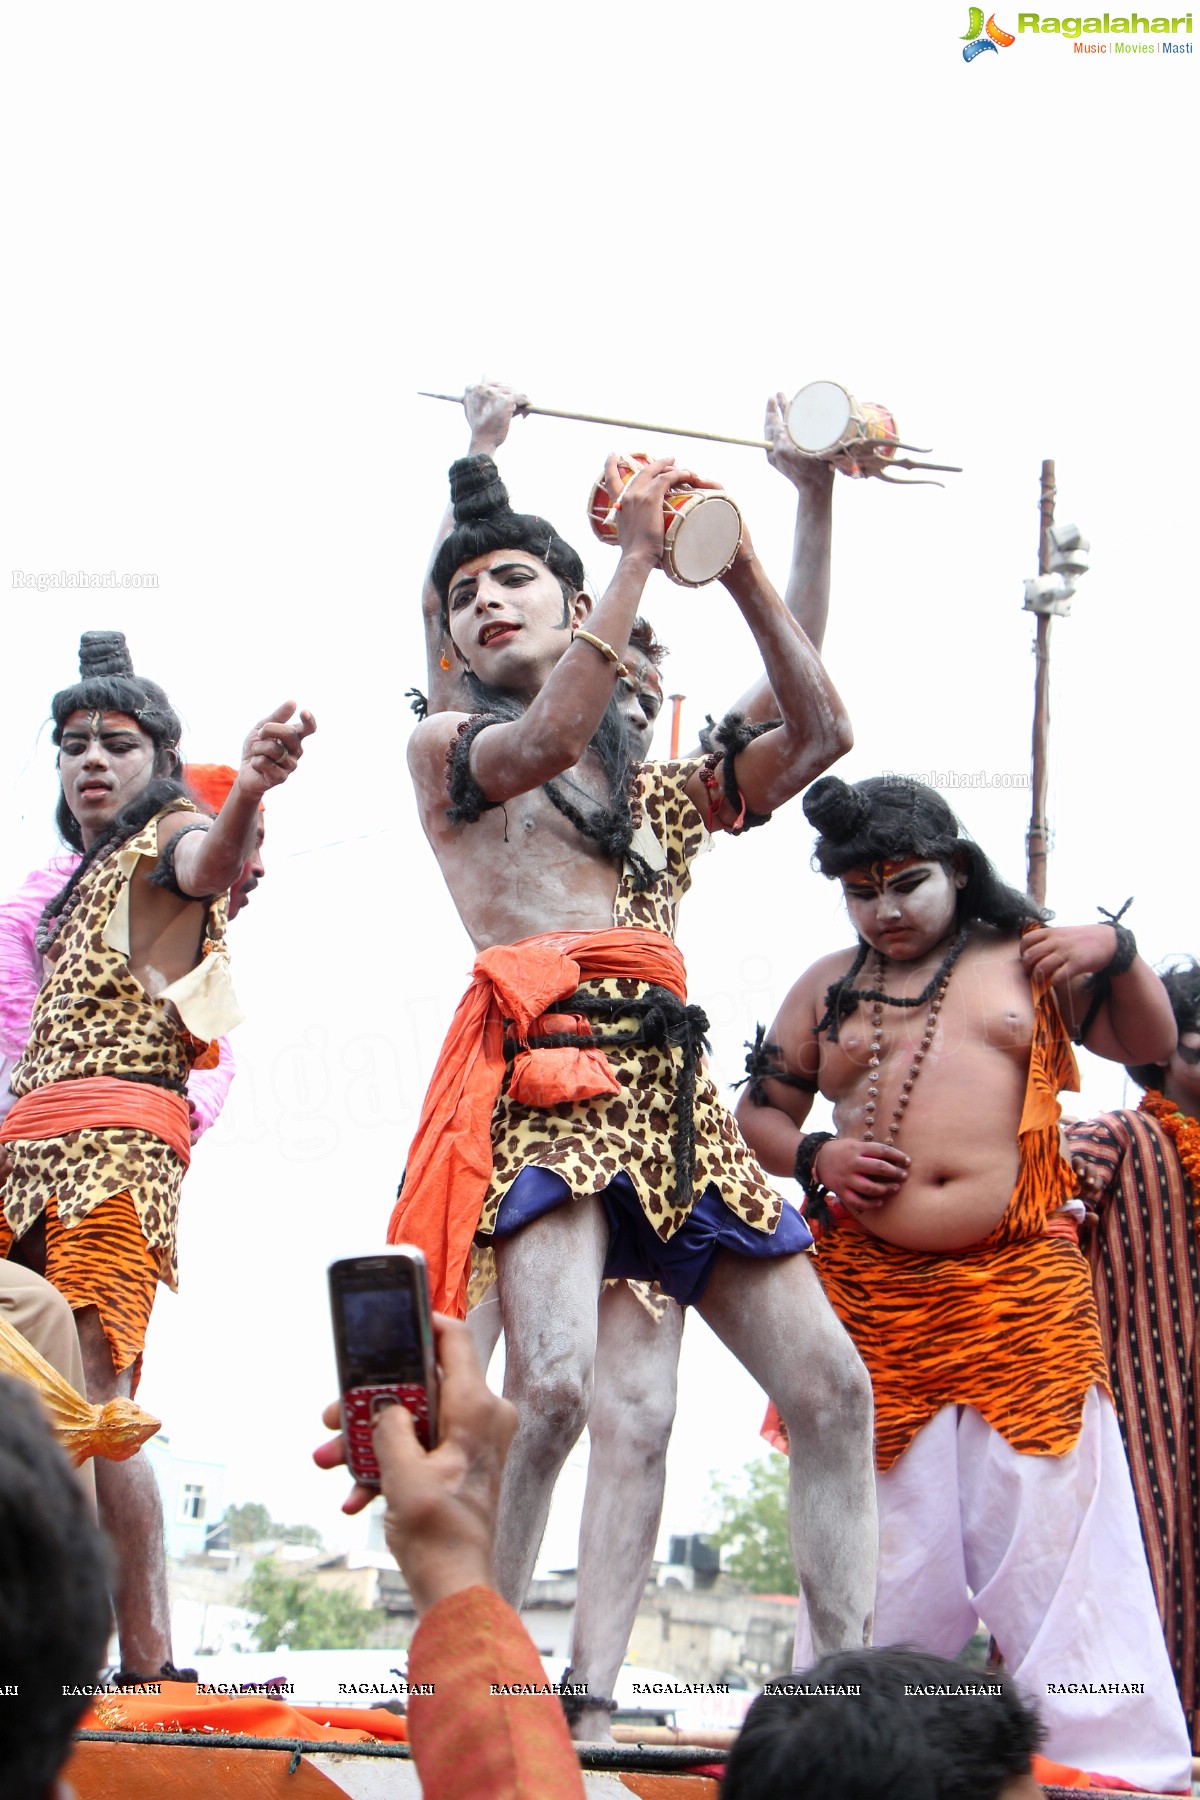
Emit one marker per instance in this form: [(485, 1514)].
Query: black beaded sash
[(660, 1021)]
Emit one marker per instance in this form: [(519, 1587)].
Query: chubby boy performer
[(942, 1040), (639, 1331), (1142, 1175), (138, 986), (570, 1122)]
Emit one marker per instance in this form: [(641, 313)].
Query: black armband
[(724, 744), (467, 799), (764, 1062), (807, 1152), (162, 875), (1121, 962)]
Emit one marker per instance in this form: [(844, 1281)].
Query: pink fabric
[(21, 976)]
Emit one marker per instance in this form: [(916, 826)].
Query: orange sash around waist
[(513, 985), (97, 1101)]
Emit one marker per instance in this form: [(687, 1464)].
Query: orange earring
[(444, 660)]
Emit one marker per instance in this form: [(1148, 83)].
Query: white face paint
[(104, 761), (508, 619), (639, 700), (902, 909)]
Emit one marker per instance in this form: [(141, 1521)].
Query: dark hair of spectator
[(1183, 990), (54, 1612), (874, 1738)]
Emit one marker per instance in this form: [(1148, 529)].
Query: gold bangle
[(606, 650)]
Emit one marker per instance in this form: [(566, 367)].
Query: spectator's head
[(892, 1724), (54, 1614), (1182, 1073), (210, 785)]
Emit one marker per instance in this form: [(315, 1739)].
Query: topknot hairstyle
[(484, 521), (888, 817), (1183, 990), (107, 683)]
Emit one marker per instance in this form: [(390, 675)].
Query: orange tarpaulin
[(179, 1707)]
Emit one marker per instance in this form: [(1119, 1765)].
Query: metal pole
[(676, 708), (1037, 843)]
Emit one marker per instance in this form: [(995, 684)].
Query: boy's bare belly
[(961, 1125)]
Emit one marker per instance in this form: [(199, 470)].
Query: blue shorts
[(682, 1265)]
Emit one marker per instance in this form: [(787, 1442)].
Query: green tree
[(299, 1534), (752, 1526), (248, 1524), (251, 1523), (294, 1610)]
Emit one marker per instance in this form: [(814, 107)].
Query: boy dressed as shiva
[(949, 1250)]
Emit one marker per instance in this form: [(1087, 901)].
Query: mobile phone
[(383, 1339)]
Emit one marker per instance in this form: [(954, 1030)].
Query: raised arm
[(491, 407), (209, 862), (806, 596), (815, 728), (1133, 1021), (568, 701)]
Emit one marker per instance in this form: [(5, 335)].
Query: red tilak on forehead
[(876, 873)]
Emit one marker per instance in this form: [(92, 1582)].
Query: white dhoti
[(1047, 1552)]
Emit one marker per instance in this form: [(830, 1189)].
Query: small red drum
[(703, 525), (826, 421)]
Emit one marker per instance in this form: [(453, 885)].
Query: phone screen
[(375, 1315)]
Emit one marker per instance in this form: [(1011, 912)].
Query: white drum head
[(702, 542), (818, 416)]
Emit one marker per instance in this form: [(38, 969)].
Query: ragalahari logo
[(975, 43)]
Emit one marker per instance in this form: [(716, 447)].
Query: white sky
[(239, 238)]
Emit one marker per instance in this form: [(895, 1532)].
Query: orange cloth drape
[(467, 1741), (450, 1162), (97, 1101)]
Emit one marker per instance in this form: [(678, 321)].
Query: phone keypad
[(362, 1406)]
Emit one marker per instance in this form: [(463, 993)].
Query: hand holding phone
[(383, 1339), (441, 1504)]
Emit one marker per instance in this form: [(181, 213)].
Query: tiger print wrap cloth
[(1007, 1326)]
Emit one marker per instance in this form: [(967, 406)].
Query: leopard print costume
[(93, 1017), (590, 1142)]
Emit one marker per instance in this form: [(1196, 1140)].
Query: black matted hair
[(1183, 990), (484, 521), (644, 639), (888, 817), (54, 1613), (894, 1724), (107, 683)]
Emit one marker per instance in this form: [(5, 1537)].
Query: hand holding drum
[(702, 527)]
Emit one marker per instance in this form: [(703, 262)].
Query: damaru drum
[(826, 421), (703, 527)]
